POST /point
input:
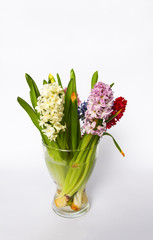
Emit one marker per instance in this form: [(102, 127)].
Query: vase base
[(67, 212)]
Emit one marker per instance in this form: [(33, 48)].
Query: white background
[(42, 37)]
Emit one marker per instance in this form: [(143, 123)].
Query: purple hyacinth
[(81, 110), (99, 106)]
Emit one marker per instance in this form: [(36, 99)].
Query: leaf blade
[(74, 121), (59, 80), (112, 85), (44, 82), (31, 82), (33, 116), (34, 92), (113, 116), (94, 79), (116, 144), (29, 111)]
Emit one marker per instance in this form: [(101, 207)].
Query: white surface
[(115, 38)]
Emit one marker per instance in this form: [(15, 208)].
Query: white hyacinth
[(50, 105)]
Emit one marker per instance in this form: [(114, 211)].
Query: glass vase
[(70, 170)]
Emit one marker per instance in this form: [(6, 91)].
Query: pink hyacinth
[(99, 106)]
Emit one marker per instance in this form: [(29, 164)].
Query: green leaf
[(116, 144), (72, 76), (74, 89), (68, 99), (66, 118), (74, 121), (112, 85), (34, 92), (44, 82), (68, 110), (94, 79), (31, 82), (59, 80), (113, 116), (34, 118), (30, 111), (33, 99)]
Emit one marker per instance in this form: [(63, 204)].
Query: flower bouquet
[(70, 132)]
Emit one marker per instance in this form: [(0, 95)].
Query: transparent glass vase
[(70, 170)]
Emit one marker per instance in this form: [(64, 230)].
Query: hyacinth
[(119, 105), (50, 105), (99, 106), (81, 110)]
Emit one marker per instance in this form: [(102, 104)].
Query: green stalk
[(84, 143), (74, 173), (84, 177), (57, 164), (77, 168), (57, 170)]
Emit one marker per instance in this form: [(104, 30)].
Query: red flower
[(119, 104)]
